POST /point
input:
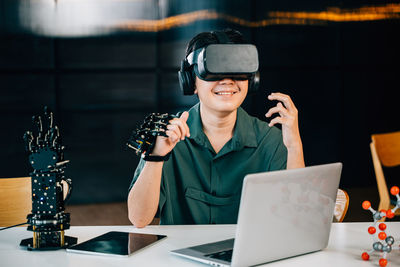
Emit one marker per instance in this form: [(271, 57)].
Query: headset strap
[(193, 56), (221, 37)]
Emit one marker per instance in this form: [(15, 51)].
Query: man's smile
[(225, 92)]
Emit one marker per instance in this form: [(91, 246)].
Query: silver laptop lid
[(285, 213)]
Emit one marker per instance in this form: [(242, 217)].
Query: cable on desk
[(8, 227)]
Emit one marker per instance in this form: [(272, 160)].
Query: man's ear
[(194, 85)]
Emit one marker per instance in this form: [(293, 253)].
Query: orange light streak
[(390, 11), (367, 13)]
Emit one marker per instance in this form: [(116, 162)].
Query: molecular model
[(382, 244)]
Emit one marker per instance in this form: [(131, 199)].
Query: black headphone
[(187, 77)]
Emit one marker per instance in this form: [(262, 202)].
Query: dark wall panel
[(101, 165), (26, 92), (21, 96), (371, 44), (171, 96), (25, 52), (291, 46), (371, 107), (108, 52), (13, 159), (172, 53), (108, 91)]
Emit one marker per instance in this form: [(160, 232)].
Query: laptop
[(281, 214)]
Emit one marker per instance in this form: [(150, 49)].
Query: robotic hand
[(45, 150), (46, 156), (144, 137)]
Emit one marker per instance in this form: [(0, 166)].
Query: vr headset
[(218, 61)]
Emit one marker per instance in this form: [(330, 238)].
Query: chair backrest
[(385, 151), (341, 205), (387, 147), (15, 200)]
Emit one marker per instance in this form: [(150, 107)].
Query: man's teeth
[(225, 93)]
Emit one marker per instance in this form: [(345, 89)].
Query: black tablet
[(115, 243)]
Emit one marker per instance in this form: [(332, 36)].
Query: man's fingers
[(277, 109), (180, 125), (175, 129), (285, 99), (275, 121), (172, 136), (184, 117)]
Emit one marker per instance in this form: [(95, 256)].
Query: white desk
[(347, 242)]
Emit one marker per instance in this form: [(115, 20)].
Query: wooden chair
[(15, 200), (385, 151), (341, 206)]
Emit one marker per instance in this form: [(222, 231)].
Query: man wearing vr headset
[(211, 147)]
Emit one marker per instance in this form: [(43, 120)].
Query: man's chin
[(222, 106), (227, 108)]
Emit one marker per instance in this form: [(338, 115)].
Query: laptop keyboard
[(225, 255), (212, 248)]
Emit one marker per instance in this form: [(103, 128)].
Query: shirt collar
[(196, 126), (243, 134)]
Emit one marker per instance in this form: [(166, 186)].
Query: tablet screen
[(115, 243)]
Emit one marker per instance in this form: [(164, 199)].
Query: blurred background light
[(77, 18)]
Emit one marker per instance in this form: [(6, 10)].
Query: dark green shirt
[(199, 186)]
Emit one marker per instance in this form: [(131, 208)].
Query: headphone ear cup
[(254, 82), (186, 82), (185, 77)]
